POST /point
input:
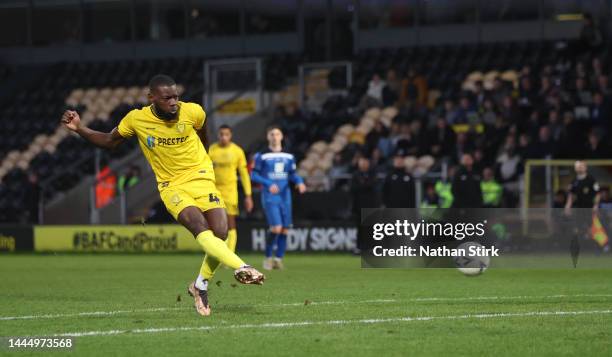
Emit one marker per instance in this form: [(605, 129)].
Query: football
[(470, 264)]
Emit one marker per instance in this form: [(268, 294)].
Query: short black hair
[(160, 80), (225, 126), (272, 127)]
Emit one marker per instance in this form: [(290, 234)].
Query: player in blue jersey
[(275, 171)]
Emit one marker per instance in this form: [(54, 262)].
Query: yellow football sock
[(217, 249), (232, 239), (209, 266)]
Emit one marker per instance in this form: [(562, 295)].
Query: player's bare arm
[(248, 203), (72, 121), (203, 135)]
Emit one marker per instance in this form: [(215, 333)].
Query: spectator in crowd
[(594, 148), (374, 95), (363, 187), (492, 191), (106, 181), (527, 93), (582, 94), (545, 147), (405, 144), (398, 189), (466, 185), (509, 168), (479, 160), (463, 145), (414, 89), (450, 111), (600, 111), (603, 85), (509, 111), (605, 202), (466, 113), (441, 139), (386, 143), (500, 92), (377, 162), (487, 112), (444, 188), (372, 139), (392, 89), (430, 204), (597, 67), (431, 199), (555, 126), (546, 89), (479, 94), (338, 170)]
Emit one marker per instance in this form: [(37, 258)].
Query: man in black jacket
[(466, 185), (398, 190), (363, 187)]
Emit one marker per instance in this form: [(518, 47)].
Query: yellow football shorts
[(201, 193), (230, 197)]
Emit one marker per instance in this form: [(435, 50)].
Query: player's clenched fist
[(71, 120)]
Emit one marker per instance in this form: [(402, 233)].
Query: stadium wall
[(169, 238)]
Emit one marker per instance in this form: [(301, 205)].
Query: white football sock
[(201, 283)]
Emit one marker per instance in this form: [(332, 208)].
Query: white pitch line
[(91, 313), (338, 302), (158, 309), (335, 322), (506, 297)]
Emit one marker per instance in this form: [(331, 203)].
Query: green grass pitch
[(320, 305)]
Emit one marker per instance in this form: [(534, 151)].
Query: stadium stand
[(427, 104), (503, 103)]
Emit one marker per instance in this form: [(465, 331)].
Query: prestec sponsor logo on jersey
[(153, 141)]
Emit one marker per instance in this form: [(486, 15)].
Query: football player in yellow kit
[(229, 160), (168, 132)]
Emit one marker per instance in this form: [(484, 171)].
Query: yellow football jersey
[(228, 161), (173, 148)]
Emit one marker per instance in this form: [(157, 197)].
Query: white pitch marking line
[(335, 322), (508, 297), (91, 313), (339, 302)]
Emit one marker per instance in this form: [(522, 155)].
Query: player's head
[(274, 135), (224, 134), (580, 167), (164, 96)]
